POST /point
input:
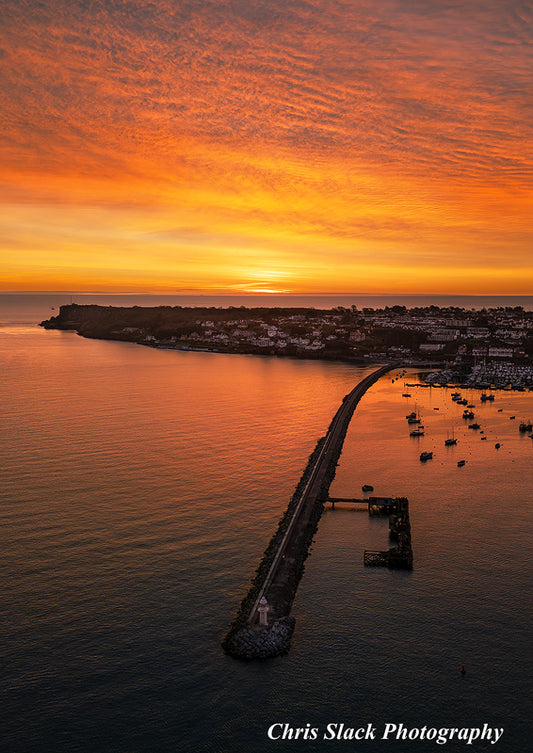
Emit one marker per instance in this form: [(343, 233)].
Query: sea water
[(139, 490)]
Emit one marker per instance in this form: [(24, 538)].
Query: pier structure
[(375, 505), (282, 566), (397, 508), (399, 557)]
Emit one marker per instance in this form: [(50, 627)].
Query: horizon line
[(264, 295)]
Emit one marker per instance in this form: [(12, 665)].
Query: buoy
[(463, 670)]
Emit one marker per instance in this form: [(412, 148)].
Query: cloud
[(315, 121)]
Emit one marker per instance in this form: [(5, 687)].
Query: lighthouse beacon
[(263, 610)]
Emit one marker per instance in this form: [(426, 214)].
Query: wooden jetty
[(375, 505)]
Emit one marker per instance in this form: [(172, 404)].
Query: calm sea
[(139, 490)]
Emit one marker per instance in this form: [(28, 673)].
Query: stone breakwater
[(262, 642), (258, 642), (282, 566)]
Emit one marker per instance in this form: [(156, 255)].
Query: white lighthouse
[(263, 610)]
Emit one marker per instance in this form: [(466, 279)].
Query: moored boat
[(426, 456)]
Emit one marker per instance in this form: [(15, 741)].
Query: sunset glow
[(299, 146)]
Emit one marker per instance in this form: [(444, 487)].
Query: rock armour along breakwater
[(282, 565)]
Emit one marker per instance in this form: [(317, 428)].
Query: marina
[(264, 626)]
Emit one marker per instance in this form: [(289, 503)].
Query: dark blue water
[(139, 490)]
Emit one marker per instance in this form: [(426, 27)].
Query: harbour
[(174, 469)]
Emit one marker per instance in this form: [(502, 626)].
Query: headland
[(453, 338)]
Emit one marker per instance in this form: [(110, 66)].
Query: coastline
[(179, 540), (492, 349)]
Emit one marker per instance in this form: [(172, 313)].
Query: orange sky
[(365, 146)]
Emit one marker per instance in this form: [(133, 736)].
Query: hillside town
[(489, 343)]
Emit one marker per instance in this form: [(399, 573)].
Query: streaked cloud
[(334, 141)]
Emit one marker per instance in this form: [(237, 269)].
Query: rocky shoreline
[(260, 642)]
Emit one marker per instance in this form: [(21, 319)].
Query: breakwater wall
[(251, 634)]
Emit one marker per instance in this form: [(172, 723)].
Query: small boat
[(483, 437), (512, 418), (411, 415), (500, 410), (367, 488), (471, 405), (468, 414), (474, 426), (525, 427), (456, 394), (461, 463), (426, 456), (406, 394), (497, 445), (450, 441), (413, 420), (417, 433), (485, 397)]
